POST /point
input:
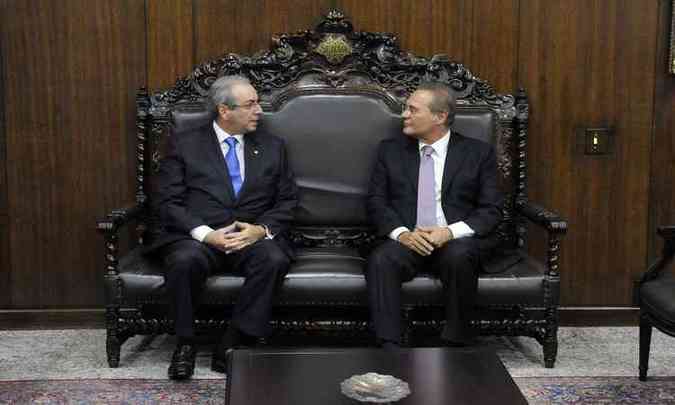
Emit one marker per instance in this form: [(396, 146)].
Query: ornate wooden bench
[(333, 93)]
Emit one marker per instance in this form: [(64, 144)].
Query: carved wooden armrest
[(538, 215), (110, 227), (555, 226), (119, 217)]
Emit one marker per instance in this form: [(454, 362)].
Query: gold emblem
[(334, 48)]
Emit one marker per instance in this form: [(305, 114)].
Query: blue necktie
[(233, 164)]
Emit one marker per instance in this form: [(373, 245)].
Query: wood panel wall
[(69, 71), (662, 186), (4, 217), (591, 64)]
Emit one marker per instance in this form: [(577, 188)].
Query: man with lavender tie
[(434, 199), (225, 196)]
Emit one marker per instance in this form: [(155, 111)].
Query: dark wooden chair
[(657, 298)]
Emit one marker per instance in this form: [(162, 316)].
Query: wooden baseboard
[(599, 316), (93, 318)]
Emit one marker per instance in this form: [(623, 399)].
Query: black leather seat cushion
[(334, 276), (521, 283), (658, 297)]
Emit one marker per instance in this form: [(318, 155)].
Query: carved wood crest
[(335, 55)]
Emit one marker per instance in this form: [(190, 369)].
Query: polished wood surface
[(245, 27), (477, 33), (24, 319), (170, 42), (591, 64), (662, 187), (5, 300), (70, 70), (434, 375)]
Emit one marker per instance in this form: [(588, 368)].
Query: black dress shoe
[(219, 359), (182, 362)]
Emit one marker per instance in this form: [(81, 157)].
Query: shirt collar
[(222, 135), (439, 146)]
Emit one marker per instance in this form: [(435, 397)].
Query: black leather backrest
[(476, 122), (331, 142), (185, 117)]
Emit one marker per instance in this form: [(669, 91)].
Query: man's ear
[(441, 117), (222, 110)]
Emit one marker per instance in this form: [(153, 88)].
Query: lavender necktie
[(426, 189)]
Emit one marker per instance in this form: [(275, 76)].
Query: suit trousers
[(457, 265), (189, 263)]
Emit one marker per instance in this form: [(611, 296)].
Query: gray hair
[(220, 91), (443, 99)]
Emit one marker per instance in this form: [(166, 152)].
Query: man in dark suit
[(225, 196), (434, 195)]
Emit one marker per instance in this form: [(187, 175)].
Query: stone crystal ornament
[(374, 387)]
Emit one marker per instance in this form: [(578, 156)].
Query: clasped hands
[(424, 239), (235, 237)]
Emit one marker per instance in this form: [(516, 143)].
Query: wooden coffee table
[(445, 376)]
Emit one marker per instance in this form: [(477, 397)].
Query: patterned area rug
[(72, 354), (112, 392), (598, 390), (595, 366), (544, 390)]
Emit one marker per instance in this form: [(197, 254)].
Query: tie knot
[(427, 150), (231, 141)]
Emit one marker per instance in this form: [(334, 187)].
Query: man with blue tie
[(225, 196), (435, 201)]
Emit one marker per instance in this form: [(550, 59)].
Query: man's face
[(418, 120), (244, 117)]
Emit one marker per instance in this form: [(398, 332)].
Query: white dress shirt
[(201, 231), (440, 150)]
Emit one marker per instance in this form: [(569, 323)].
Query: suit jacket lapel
[(453, 160), (253, 155), (412, 161), (214, 153)]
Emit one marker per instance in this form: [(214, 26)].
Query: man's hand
[(437, 235), (248, 234), (417, 241), (228, 240), (216, 238)]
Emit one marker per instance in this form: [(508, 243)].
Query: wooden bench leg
[(550, 351), (112, 341), (112, 347), (551, 338)]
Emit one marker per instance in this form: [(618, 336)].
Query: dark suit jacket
[(193, 186), (470, 190)]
